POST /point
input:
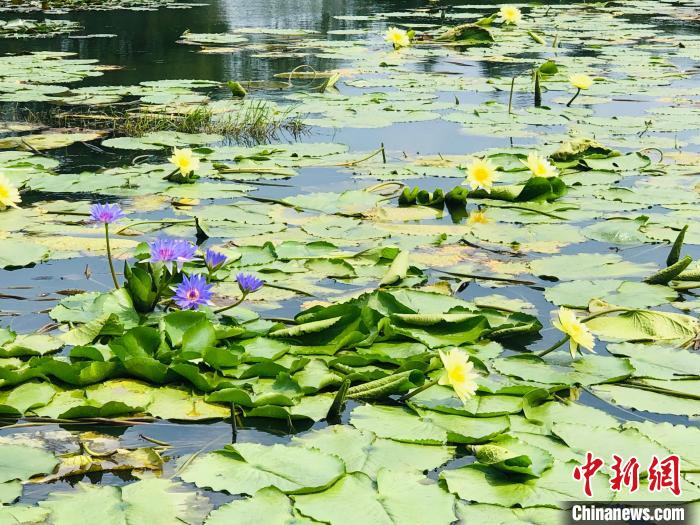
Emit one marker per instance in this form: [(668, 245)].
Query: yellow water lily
[(9, 195), (478, 217), (459, 373), (481, 174), (579, 334), (397, 37), (185, 161), (539, 166), (581, 81), (510, 14)]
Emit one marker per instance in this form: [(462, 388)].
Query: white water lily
[(540, 166), (397, 37), (510, 14), (581, 81), (481, 174), (459, 373), (185, 161), (579, 334), (9, 194)]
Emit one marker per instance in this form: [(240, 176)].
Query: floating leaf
[(21, 463), (249, 467)]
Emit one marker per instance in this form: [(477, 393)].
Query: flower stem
[(231, 305), (578, 90), (109, 257), (510, 97), (659, 390), (605, 312), (418, 390), (583, 320), (354, 162), (553, 347), (161, 221)]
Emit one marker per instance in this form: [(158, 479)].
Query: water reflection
[(145, 42)]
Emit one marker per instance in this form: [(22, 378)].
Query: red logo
[(663, 474), (587, 471), (627, 474)]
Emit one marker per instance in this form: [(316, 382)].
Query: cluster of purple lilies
[(194, 290)]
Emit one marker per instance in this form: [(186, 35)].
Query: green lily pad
[(249, 467)]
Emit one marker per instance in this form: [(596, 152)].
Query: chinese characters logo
[(663, 474)]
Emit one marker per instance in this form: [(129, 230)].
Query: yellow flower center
[(478, 217), (574, 330), (510, 14), (581, 81), (540, 168), (397, 37), (9, 196), (457, 374), (481, 174)]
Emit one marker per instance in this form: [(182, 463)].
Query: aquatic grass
[(255, 123), (259, 122)]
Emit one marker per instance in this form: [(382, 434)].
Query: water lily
[(540, 166), (248, 283), (214, 260), (185, 161), (459, 373), (193, 292), (578, 333), (478, 217), (176, 251), (579, 81), (510, 14), (481, 174), (107, 214), (9, 194), (397, 37)]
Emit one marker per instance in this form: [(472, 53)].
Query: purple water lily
[(193, 292), (214, 260), (172, 251), (248, 283), (106, 213)]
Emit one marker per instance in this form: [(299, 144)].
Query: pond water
[(430, 107)]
